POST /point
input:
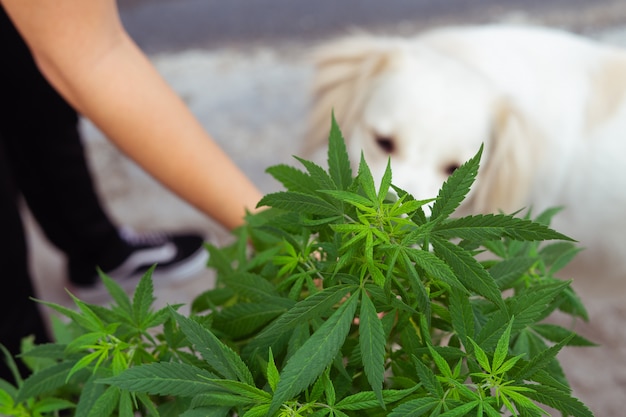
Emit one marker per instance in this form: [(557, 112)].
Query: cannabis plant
[(342, 298)]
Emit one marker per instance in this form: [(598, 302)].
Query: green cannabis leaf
[(341, 298)]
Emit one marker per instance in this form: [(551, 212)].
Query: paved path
[(160, 25)]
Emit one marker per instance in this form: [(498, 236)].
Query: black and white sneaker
[(176, 256)]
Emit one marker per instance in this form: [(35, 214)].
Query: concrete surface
[(253, 98), (170, 25)]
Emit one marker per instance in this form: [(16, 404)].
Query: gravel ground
[(253, 100)]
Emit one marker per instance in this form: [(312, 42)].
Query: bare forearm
[(149, 122), (95, 65)]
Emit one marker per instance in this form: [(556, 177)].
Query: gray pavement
[(165, 25), (241, 66)]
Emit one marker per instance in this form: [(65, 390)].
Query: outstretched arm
[(84, 51)]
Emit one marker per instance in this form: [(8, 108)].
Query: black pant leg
[(44, 148), (19, 315)]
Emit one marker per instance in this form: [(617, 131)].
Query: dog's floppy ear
[(342, 71), (504, 177), (607, 90)]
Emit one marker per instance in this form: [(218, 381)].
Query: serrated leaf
[(86, 360), (485, 227), (89, 316), (143, 298), (461, 410), (243, 390), (220, 399), (351, 198), (372, 342), (368, 399), (421, 295), (273, 376), (415, 408), (545, 377), (556, 333), (52, 405), (435, 267), (509, 364), (469, 271), (207, 411), (462, 315), (464, 390), (374, 270), (105, 404), (348, 228), (90, 393), (257, 411), (418, 217), (125, 408), (572, 304), (508, 271), (299, 203), (254, 287), (385, 182), (219, 356), (558, 255), (315, 355), (539, 361), (159, 317), (117, 293), (530, 306), (318, 174), (480, 355), (339, 165), (559, 400), (532, 346), (440, 362), (428, 379), (218, 259), (316, 392), (293, 179), (408, 207), (114, 315), (455, 188), (243, 319), (546, 216), (522, 403), (492, 412), (320, 222), (46, 350), (310, 308), (75, 316), (366, 180), (210, 299), (502, 348), (165, 378), (329, 389), (490, 332), (44, 381)]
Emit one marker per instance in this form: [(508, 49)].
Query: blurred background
[(169, 25), (242, 67)]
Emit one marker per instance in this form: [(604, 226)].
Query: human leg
[(44, 149), (19, 315)]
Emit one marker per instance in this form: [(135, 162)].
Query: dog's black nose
[(386, 143)]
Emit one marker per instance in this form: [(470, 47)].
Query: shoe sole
[(160, 276), (181, 271)]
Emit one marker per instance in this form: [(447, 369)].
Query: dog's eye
[(386, 143), (450, 168)]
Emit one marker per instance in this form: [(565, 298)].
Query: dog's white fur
[(549, 106)]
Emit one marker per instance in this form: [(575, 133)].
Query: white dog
[(549, 106)]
